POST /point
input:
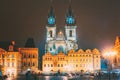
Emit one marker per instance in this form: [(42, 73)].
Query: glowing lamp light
[(47, 69), (28, 69), (109, 53)]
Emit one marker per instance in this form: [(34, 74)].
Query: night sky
[(98, 21)]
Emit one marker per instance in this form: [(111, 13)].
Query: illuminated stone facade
[(29, 58), (10, 61), (74, 61), (60, 49), (117, 49), (13, 62)]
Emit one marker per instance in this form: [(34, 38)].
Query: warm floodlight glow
[(109, 53), (47, 69), (68, 68)]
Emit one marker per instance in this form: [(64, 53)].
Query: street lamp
[(109, 55)]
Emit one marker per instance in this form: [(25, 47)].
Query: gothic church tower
[(70, 29), (51, 27), (60, 42)]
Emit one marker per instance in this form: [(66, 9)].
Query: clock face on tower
[(51, 20), (70, 20)]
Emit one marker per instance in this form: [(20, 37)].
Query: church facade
[(61, 42)]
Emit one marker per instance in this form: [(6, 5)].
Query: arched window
[(33, 56), (33, 64), (51, 65), (58, 65), (29, 64), (50, 32), (44, 65), (24, 56), (29, 56), (70, 34), (24, 64)]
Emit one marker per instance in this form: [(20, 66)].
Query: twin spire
[(69, 17)]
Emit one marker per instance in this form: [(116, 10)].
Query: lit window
[(29, 64), (8, 64), (48, 65), (12, 64), (51, 65), (61, 65), (76, 55), (76, 65), (24, 56), (44, 65), (33, 64), (58, 65), (12, 55)]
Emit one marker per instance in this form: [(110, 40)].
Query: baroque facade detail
[(88, 60)]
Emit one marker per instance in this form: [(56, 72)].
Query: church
[(61, 49), (61, 41)]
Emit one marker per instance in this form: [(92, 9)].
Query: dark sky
[(98, 21)]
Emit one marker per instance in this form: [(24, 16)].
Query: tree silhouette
[(30, 43)]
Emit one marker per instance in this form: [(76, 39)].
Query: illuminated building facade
[(10, 61), (29, 58), (56, 43), (88, 60), (61, 50), (117, 49), (13, 62)]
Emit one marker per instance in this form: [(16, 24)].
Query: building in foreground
[(10, 61), (29, 58), (14, 61), (88, 60)]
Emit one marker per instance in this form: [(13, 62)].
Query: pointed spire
[(70, 9), (51, 13), (70, 20), (51, 16)]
